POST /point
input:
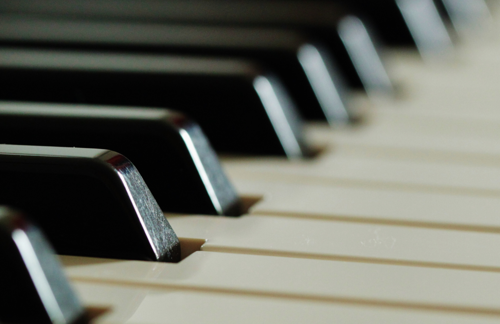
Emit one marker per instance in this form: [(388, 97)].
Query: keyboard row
[(323, 238)]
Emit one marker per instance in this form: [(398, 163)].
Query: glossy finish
[(31, 276), (427, 28), (406, 22), (316, 18), (364, 55), (405, 272), (310, 77), (88, 202), (184, 168), (469, 17), (219, 94)]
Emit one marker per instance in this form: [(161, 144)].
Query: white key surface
[(136, 304), (314, 280)]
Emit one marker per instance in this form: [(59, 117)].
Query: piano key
[(469, 17), (405, 23), (306, 68), (225, 96), (425, 129), (303, 199), (89, 202), (459, 132), (137, 304), (328, 278), (184, 168), (433, 124), (318, 19), (435, 134), (394, 287), (429, 147), (342, 241), (403, 154), (34, 288), (374, 172), (377, 169), (471, 75)]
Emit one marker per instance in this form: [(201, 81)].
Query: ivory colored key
[(407, 66), (136, 304), (451, 103), (343, 241), (395, 287), (412, 155), (393, 122), (446, 139), (33, 288), (424, 130), (373, 172), (296, 198), (465, 70), (435, 147), (469, 135), (90, 202)]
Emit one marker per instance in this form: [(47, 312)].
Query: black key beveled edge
[(33, 276), (171, 151), (231, 80), (133, 208)]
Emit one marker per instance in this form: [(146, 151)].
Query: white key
[(376, 206), (314, 280), (132, 304), (435, 147), (373, 172), (334, 240)]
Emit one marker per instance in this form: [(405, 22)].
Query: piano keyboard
[(396, 220)]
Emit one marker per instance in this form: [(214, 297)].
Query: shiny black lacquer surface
[(386, 17), (280, 50), (315, 18), (88, 202), (182, 178), (33, 288), (419, 23), (218, 94)]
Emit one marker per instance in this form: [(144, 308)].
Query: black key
[(314, 18), (241, 109), (170, 151), (89, 202), (33, 288), (468, 17), (406, 22), (305, 68)]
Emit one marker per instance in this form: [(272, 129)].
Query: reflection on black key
[(305, 67), (33, 289), (89, 202), (170, 151), (241, 109), (407, 22), (467, 16), (316, 18)]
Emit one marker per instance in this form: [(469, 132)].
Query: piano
[(394, 220)]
